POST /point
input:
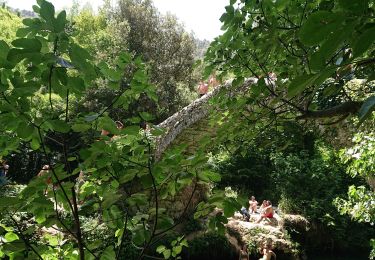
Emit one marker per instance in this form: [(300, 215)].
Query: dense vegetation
[(301, 135)]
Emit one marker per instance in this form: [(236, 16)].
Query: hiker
[(4, 169), (244, 254), (267, 252), (253, 205), (202, 88), (267, 212)]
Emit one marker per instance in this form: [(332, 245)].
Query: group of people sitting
[(265, 210)]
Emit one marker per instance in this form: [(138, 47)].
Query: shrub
[(210, 246)]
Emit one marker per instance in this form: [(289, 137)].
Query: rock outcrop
[(268, 231)]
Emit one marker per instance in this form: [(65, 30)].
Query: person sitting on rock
[(267, 212), (245, 214), (261, 208), (267, 252), (253, 205)]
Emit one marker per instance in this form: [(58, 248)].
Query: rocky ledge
[(268, 231)]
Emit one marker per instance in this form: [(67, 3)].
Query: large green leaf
[(10, 237), (108, 124), (108, 254), (364, 41), (47, 11), (110, 200), (137, 199), (76, 84), (8, 201), (208, 176), (17, 55), (24, 130), (366, 109), (59, 23), (165, 222), (329, 48), (4, 48), (80, 127), (355, 6), (319, 26), (300, 83), (32, 45), (59, 126)]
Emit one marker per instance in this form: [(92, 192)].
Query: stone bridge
[(191, 123)]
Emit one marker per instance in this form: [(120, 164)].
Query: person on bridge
[(212, 81), (202, 88)]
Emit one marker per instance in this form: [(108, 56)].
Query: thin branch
[(24, 238), (67, 106), (122, 237), (349, 107), (156, 200), (78, 225), (336, 121), (50, 85), (54, 173)]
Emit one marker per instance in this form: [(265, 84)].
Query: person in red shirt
[(202, 88)]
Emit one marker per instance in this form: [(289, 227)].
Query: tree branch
[(349, 107)]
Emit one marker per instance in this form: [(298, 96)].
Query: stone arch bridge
[(191, 123)]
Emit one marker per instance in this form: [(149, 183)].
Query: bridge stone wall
[(192, 120)]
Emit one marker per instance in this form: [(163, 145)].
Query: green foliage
[(192, 225), (359, 204), (275, 164), (162, 42), (209, 246), (175, 250), (99, 35), (303, 44), (111, 184), (302, 56), (9, 23), (359, 160), (165, 46)]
